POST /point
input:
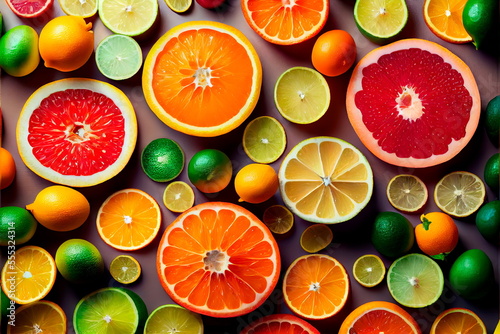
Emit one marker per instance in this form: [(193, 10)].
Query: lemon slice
[(264, 139), (118, 57), (459, 194), (178, 196), (407, 193), (128, 17), (315, 238), (179, 6), (125, 269), (368, 270), (278, 219), (171, 318), (83, 8)]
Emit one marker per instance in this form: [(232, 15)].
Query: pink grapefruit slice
[(413, 103), (280, 324), (31, 8), (77, 132)]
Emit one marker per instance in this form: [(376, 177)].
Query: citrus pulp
[(39, 317), (125, 269), (458, 320), (172, 318), (368, 270), (444, 19), (407, 193), (178, 196), (128, 17), (279, 324), (118, 57), (264, 139)]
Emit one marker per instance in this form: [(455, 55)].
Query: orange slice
[(39, 317), (444, 19), (458, 320), (202, 78), (218, 259), (129, 219), (316, 286), (284, 21)]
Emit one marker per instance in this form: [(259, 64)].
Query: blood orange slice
[(280, 324), (77, 132), (218, 259), (32, 8), (413, 113)]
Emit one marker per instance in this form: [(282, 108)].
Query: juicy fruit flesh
[(29, 7), (458, 322), (86, 124), (383, 321), (382, 18)]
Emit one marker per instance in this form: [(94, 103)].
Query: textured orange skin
[(7, 168), (334, 52), (440, 238)]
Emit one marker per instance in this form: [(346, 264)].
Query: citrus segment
[(173, 318), (29, 9), (368, 270), (264, 139), (128, 17), (458, 320), (315, 238), (444, 19), (178, 196), (63, 131), (280, 324), (316, 286), (278, 218), (286, 22), (118, 57), (125, 269), (325, 180), (39, 317), (218, 259), (407, 192), (83, 8), (194, 69), (129, 219), (179, 6), (403, 115)]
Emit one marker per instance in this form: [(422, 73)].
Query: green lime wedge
[(118, 57), (173, 318), (415, 280), (381, 20), (110, 311)]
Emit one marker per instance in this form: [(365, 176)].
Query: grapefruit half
[(413, 103), (77, 132)]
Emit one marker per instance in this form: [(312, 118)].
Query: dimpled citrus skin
[(79, 261), (66, 43), (19, 51), (7, 168), (256, 183), (437, 234)]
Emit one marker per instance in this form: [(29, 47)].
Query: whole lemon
[(66, 43), (79, 261), (60, 208), (19, 51), (256, 183)]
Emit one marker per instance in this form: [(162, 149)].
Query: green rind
[(79, 261), (392, 234), (19, 51), (16, 224), (492, 172), (479, 18), (173, 160), (133, 49), (488, 221), (207, 167), (471, 275), (492, 120)]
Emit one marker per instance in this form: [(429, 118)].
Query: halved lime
[(380, 20), (179, 6), (415, 280), (118, 57), (315, 238), (110, 311), (178, 196), (407, 192), (368, 270), (128, 17), (83, 8), (264, 139), (173, 318), (302, 95), (278, 218), (125, 269)]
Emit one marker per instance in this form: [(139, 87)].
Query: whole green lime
[(488, 221), (471, 275), (17, 225), (210, 170), (19, 51), (79, 261), (478, 17), (392, 234), (492, 120), (162, 160), (492, 172)]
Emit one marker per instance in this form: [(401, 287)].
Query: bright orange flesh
[(458, 320), (444, 19), (39, 317), (218, 259)]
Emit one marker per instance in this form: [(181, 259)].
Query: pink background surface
[(350, 238)]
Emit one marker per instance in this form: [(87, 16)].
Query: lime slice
[(128, 17), (125, 269), (302, 95), (178, 196), (315, 238), (415, 280), (278, 218), (407, 193), (173, 318), (83, 8), (110, 310), (368, 270), (380, 20), (264, 139), (118, 57), (179, 6)]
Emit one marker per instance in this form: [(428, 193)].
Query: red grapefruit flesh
[(413, 103), (29, 8), (77, 132), (280, 324)]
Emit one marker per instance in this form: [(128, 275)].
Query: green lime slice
[(173, 318), (264, 139), (368, 270), (110, 311), (179, 6), (118, 57), (415, 280), (379, 21), (128, 17), (125, 269), (302, 95)]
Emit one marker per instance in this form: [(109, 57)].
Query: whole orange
[(437, 235), (334, 52), (7, 168), (256, 183), (66, 43)]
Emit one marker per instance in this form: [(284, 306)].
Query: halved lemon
[(178, 196), (125, 269), (368, 270), (83, 8), (407, 192), (264, 139)]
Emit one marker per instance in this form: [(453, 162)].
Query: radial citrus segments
[(407, 192), (32, 272), (388, 93), (202, 78), (379, 317), (458, 320), (325, 180), (278, 218), (444, 19), (179, 6), (128, 17), (368, 270), (83, 8), (125, 269), (286, 22), (178, 196), (63, 131), (316, 286), (129, 219), (39, 317), (264, 139), (280, 324), (218, 259), (172, 318), (29, 9)]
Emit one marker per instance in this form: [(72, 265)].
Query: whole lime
[(392, 234), (492, 120), (492, 172), (210, 170), (471, 274), (17, 225), (162, 160), (488, 221), (79, 261), (19, 51), (478, 17)]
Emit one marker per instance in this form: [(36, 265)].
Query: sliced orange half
[(218, 259), (458, 320), (129, 219), (202, 78), (444, 19), (39, 317)]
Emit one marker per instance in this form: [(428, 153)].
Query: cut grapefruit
[(218, 259), (413, 113), (280, 324), (29, 9), (202, 78), (77, 132)]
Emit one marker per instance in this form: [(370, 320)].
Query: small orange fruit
[(458, 320), (437, 235), (7, 168), (256, 183), (334, 52), (66, 43)]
